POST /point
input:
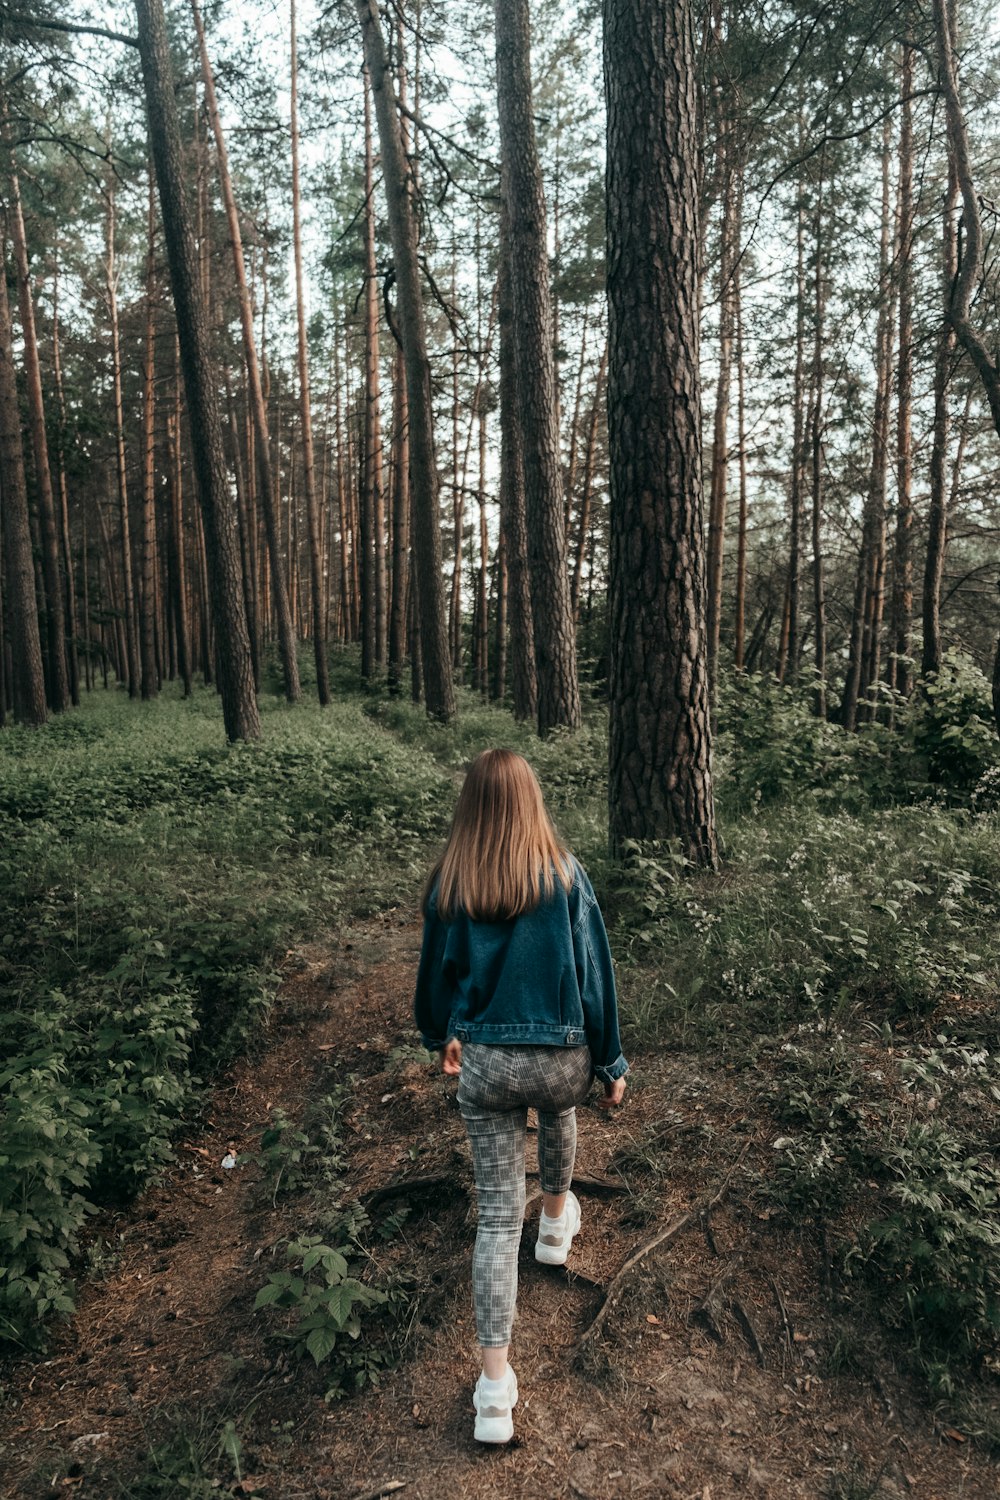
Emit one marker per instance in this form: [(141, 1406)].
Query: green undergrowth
[(844, 966), (151, 879)]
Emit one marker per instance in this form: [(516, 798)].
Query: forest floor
[(710, 1377)]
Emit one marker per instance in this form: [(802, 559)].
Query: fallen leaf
[(801, 1338), (651, 1319), (956, 1437)]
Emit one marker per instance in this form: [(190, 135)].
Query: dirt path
[(707, 1380)]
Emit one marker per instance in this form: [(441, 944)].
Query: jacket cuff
[(432, 1043), (613, 1071)]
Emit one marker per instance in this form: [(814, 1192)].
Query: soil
[(709, 1377)]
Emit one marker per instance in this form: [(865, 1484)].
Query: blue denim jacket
[(543, 979)]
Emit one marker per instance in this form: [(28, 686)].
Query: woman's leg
[(496, 1135), (567, 1080), (497, 1141)]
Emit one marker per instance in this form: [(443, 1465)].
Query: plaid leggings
[(496, 1086)]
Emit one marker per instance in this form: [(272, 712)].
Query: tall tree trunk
[(399, 598), (308, 458), (741, 525), (660, 783), (732, 193), (239, 705), (147, 579), (438, 689), (513, 524), (971, 264), (372, 506), (586, 495), (816, 418), (132, 668), (937, 514), (790, 670), (72, 631), (59, 697), (255, 392), (866, 614), (521, 177), (27, 675), (901, 610)]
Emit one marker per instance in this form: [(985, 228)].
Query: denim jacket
[(544, 978)]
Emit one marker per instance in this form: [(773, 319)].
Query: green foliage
[(936, 1257), (149, 882), (951, 725), (193, 1459), (327, 1303)]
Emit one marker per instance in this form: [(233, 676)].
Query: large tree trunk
[(660, 783), (552, 616), (524, 683), (937, 513), (439, 693), (27, 675), (239, 704), (308, 458), (255, 393), (59, 697)]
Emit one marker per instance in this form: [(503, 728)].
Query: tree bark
[(586, 495), (27, 675), (59, 696), (239, 704), (552, 616), (816, 419), (439, 692), (901, 608), (660, 783), (147, 576), (255, 393), (524, 683), (131, 664), (73, 634), (308, 456)]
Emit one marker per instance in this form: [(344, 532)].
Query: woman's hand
[(614, 1093), (451, 1057)]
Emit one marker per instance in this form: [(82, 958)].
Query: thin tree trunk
[(27, 675), (147, 580), (524, 683), (660, 783), (899, 674), (132, 669), (816, 418), (255, 392), (788, 672), (239, 705), (552, 617), (588, 481), (438, 688), (866, 613), (741, 525), (308, 459), (732, 194), (72, 629), (59, 696)]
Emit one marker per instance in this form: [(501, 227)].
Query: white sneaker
[(555, 1236), (494, 1401)]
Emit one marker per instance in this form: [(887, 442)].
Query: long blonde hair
[(503, 853)]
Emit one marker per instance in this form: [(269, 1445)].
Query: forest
[(381, 382)]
